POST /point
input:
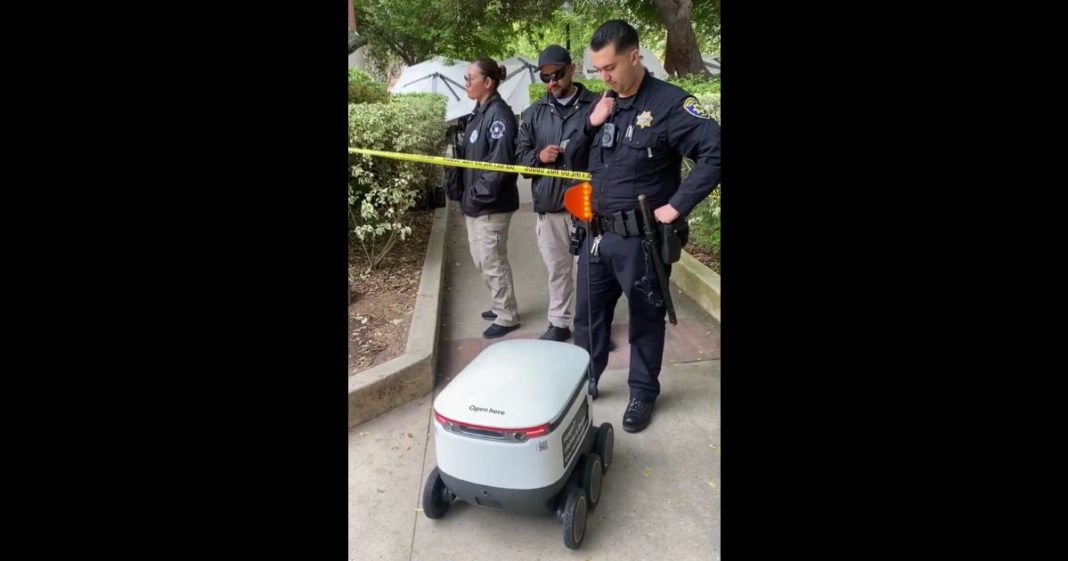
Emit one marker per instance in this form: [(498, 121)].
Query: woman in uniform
[(490, 197)]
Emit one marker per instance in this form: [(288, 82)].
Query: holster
[(672, 237), (578, 235)]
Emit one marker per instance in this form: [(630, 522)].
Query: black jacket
[(490, 137), (546, 123), (665, 124)]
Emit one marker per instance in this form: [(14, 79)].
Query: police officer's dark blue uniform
[(653, 130)]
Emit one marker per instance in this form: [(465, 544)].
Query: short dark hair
[(489, 67), (617, 32)]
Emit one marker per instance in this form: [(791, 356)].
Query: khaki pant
[(553, 231), (487, 237)]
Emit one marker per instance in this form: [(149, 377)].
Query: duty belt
[(624, 223)]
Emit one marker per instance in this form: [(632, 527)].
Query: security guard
[(490, 198), (547, 128), (636, 143)]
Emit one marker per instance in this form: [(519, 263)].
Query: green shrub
[(381, 190), (363, 88), (704, 226), (697, 86)]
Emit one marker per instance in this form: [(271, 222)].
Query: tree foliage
[(410, 31)]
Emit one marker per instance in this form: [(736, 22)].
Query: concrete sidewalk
[(660, 499)]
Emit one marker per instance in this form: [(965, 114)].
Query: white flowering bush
[(381, 190), (710, 103)]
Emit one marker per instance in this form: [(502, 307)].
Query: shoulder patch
[(694, 108), (496, 129)]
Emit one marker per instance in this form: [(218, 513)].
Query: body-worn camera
[(608, 135)]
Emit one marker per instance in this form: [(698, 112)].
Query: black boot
[(638, 415)]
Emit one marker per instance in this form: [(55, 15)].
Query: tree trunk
[(682, 57), (408, 58), (356, 41)]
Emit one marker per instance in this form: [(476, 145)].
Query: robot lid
[(515, 384)]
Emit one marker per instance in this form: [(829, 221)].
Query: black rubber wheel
[(604, 444), (592, 474), (575, 518), (436, 497)]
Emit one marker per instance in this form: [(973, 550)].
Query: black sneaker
[(495, 331), (638, 415), (488, 315), (556, 334)]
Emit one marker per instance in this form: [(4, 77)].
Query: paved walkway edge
[(411, 375), (699, 282)]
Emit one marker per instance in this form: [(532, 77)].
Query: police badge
[(645, 119)]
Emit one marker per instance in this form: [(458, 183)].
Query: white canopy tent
[(436, 76), (515, 88), (711, 63)]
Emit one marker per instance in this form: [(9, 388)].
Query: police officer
[(490, 198), (546, 129), (636, 144)]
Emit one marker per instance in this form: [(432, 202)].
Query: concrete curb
[(411, 375), (698, 282)]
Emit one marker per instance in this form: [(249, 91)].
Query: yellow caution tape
[(456, 162)]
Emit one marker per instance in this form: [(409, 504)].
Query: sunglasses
[(558, 75)]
